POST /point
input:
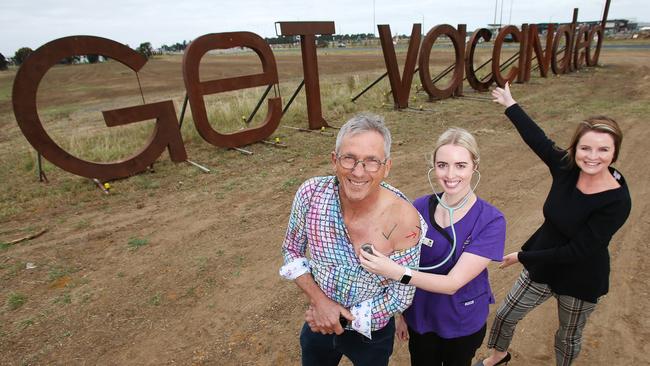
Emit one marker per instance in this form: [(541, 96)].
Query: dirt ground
[(180, 267)]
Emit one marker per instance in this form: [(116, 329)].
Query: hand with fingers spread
[(503, 96)]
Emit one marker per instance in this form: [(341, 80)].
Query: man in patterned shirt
[(351, 310)]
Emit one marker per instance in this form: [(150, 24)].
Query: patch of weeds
[(220, 253), (82, 281), (86, 297), (136, 243), (28, 163), (230, 186), (239, 261), (155, 299), (13, 270), (16, 300), (66, 334), (64, 298), (290, 184), (120, 274), (201, 264), (191, 292), (57, 272), (83, 224), (25, 323), (4, 246), (146, 182)]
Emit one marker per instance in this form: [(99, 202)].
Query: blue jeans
[(327, 349)]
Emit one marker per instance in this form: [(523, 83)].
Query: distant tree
[(21, 55), (145, 49), (92, 59), (3, 62)]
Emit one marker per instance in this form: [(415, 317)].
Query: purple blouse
[(481, 232)]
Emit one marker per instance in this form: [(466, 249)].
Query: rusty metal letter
[(28, 78), (599, 30), (524, 60), (595, 30), (400, 88), (458, 39), (571, 45), (307, 32), (496, 56), (196, 88), (472, 79), (562, 31), (581, 42), (535, 44)]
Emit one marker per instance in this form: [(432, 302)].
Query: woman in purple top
[(447, 321)]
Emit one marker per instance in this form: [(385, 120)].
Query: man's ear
[(389, 163), (333, 157)]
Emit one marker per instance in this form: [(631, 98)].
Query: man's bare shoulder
[(405, 220)]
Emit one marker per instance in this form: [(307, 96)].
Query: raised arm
[(529, 131), (503, 96)]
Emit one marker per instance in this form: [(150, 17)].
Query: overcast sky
[(32, 23)]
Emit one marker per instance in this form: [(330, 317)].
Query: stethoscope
[(451, 219)]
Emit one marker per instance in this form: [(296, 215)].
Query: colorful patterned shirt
[(316, 223)]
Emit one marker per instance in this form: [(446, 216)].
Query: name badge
[(428, 242), (468, 303)]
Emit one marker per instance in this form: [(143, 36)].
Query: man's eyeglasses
[(370, 165)]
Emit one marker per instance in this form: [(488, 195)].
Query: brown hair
[(597, 124)]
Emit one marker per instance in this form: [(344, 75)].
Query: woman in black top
[(567, 257)]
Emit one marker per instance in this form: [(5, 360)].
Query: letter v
[(401, 89)]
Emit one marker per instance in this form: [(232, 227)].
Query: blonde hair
[(459, 137)]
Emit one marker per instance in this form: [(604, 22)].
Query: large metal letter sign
[(496, 56), (401, 88), (196, 88), (543, 55), (458, 40), (307, 32), (472, 79), (28, 78)]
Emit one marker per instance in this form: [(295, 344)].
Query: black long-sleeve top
[(569, 252)]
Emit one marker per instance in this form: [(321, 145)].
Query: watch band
[(406, 277)]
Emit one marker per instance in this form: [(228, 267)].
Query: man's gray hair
[(365, 122)]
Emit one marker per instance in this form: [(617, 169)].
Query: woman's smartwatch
[(406, 277)]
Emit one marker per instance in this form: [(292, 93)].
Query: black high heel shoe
[(504, 360)]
